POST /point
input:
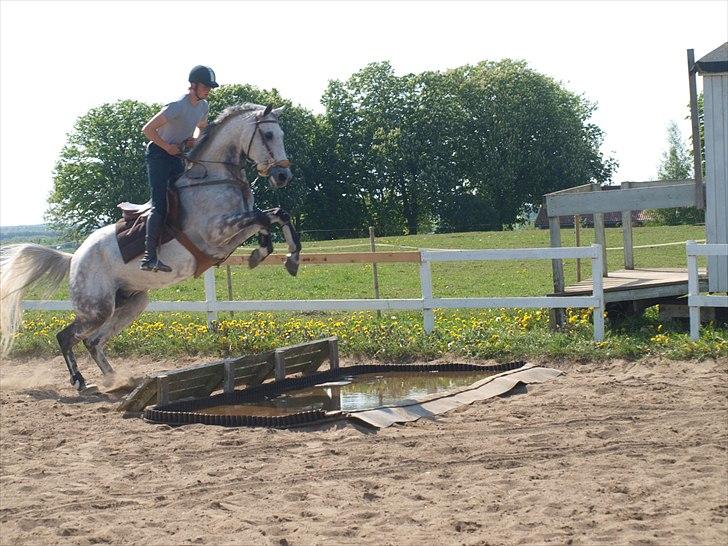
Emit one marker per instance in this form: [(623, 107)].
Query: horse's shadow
[(80, 398)]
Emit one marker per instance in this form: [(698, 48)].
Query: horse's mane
[(212, 127)]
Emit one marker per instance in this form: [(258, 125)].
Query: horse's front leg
[(237, 228), (283, 219)]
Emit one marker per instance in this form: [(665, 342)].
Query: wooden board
[(636, 284), (200, 380)]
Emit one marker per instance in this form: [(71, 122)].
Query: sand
[(609, 453)]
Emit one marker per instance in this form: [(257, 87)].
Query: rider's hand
[(173, 149)]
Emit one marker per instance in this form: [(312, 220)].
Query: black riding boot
[(150, 262)]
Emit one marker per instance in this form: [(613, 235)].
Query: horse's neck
[(201, 204), (225, 144)]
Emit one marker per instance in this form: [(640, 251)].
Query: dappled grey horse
[(217, 214)]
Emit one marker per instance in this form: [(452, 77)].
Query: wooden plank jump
[(201, 380)]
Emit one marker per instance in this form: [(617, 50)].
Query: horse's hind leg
[(128, 307), (68, 337)]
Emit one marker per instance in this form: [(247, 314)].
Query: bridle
[(272, 162), (263, 169)]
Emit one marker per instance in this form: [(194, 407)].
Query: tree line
[(470, 148)]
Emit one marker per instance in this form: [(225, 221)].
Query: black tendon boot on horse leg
[(150, 262), (67, 339)]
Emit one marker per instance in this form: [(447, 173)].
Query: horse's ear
[(277, 111), (267, 110)]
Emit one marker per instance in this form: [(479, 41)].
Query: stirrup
[(154, 265)]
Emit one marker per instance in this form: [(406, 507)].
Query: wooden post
[(374, 269), (229, 287), (162, 390), (577, 232), (333, 353), (600, 236), (697, 155), (598, 313), (426, 288), (210, 297), (229, 385), (627, 234), (558, 317), (693, 291), (280, 364)]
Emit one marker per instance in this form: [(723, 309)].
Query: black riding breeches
[(162, 170)]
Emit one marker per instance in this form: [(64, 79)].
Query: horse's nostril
[(281, 177)]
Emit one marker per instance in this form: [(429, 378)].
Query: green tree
[(461, 149), (676, 164), (524, 135), (101, 165)]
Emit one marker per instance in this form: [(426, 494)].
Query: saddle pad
[(130, 237)]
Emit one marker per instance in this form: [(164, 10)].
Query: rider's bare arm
[(150, 131), (198, 131)]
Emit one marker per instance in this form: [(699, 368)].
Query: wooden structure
[(713, 67), (640, 288), (201, 380), (629, 288)]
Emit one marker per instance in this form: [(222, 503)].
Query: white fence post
[(598, 292), (695, 300), (426, 286), (693, 290), (210, 297)]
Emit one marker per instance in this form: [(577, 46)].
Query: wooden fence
[(426, 304)]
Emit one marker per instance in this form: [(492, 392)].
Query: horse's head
[(265, 147)]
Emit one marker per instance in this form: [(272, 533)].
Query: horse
[(216, 213)]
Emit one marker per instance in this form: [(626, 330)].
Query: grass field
[(497, 334), (512, 278)]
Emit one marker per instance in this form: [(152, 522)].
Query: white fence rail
[(695, 300), (212, 306)]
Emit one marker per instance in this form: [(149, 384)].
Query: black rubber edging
[(192, 411)]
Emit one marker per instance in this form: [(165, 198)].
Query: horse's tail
[(21, 266)]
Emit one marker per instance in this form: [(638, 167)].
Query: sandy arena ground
[(615, 453)]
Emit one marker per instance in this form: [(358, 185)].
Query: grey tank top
[(182, 118)]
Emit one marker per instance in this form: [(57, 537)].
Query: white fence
[(695, 300), (212, 306)]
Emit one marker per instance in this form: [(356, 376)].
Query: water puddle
[(356, 393)]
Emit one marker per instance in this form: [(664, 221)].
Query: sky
[(59, 59)]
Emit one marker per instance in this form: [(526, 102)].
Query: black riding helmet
[(204, 75)]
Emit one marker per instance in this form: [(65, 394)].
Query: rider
[(171, 129)]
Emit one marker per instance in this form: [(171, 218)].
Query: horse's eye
[(269, 135)]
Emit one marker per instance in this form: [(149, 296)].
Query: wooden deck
[(639, 284)]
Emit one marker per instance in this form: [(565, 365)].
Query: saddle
[(131, 231)]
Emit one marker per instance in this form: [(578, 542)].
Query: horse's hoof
[(254, 259), (291, 266), (78, 382), (89, 389)]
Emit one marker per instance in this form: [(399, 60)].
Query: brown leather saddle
[(131, 231)]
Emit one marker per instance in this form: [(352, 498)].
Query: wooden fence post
[(210, 297), (426, 287), (374, 269)]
